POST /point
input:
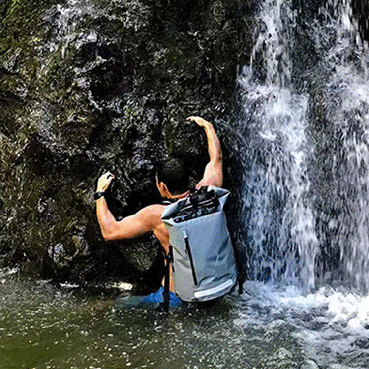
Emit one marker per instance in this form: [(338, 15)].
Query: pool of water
[(43, 326)]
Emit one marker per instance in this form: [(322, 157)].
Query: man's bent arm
[(129, 227)]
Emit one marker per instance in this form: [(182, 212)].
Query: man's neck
[(177, 197)]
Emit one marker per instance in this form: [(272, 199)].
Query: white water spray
[(306, 194), (300, 229), (348, 115), (280, 220)]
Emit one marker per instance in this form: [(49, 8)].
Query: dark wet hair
[(173, 173)]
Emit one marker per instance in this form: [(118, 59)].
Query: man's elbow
[(108, 235)]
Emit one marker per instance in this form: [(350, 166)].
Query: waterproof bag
[(201, 251)]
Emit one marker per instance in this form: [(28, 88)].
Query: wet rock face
[(88, 86)]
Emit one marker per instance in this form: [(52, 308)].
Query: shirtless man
[(148, 219)]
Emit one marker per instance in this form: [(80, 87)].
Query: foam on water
[(331, 325)]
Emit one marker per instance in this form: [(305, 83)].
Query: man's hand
[(200, 121), (104, 182)]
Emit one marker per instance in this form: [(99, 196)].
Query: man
[(149, 218)]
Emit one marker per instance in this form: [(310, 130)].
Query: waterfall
[(347, 99), (305, 122)]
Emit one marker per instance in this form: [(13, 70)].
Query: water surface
[(269, 326)]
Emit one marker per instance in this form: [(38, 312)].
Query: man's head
[(172, 178)]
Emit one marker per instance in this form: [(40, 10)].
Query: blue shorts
[(157, 298), (152, 299)]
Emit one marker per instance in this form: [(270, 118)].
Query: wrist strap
[(98, 195)]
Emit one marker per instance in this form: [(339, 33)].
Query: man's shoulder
[(154, 209), (152, 213)]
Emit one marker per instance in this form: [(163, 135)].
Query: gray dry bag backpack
[(200, 250)]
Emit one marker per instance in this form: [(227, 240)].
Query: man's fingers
[(104, 181), (108, 175), (200, 121), (192, 118), (109, 179), (195, 119)]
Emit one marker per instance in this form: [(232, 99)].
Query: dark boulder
[(93, 86)]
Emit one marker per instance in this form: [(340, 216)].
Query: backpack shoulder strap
[(168, 262)]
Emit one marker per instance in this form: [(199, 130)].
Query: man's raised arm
[(213, 174)]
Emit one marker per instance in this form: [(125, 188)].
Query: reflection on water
[(267, 327)]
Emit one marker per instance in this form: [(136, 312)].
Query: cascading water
[(306, 181), (305, 195), (347, 162), (281, 231)]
